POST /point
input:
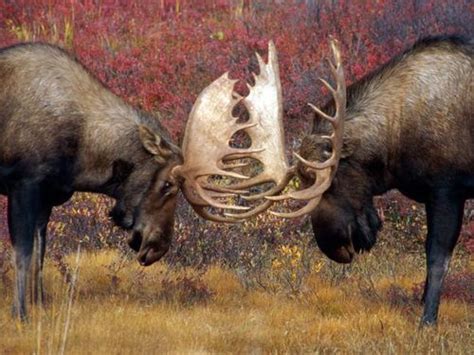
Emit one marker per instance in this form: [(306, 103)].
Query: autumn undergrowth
[(116, 306)]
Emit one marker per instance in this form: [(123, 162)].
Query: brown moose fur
[(62, 131), (52, 108), (409, 126)]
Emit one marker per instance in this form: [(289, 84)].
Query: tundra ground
[(112, 305)]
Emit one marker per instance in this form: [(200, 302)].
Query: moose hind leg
[(444, 214), (23, 208)]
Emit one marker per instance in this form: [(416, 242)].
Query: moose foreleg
[(444, 214), (23, 209), (39, 252)]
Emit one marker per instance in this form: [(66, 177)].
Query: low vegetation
[(112, 305)]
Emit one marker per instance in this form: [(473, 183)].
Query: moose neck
[(110, 148), (375, 125)]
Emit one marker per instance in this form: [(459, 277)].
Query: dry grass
[(119, 307)]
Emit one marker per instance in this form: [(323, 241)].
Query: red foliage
[(458, 286), (159, 55), (467, 235)]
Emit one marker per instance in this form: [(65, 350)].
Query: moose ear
[(154, 144), (150, 140), (349, 146)]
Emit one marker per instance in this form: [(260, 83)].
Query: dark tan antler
[(323, 171)]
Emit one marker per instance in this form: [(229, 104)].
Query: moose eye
[(327, 154), (166, 187)]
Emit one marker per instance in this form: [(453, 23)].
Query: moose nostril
[(135, 241), (121, 218), (142, 260)]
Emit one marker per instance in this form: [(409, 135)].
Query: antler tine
[(200, 210), (321, 113), (320, 185), (223, 189), (324, 171), (253, 212), (311, 205), (275, 189), (200, 196), (328, 86)]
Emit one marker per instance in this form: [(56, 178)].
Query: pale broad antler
[(211, 125), (207, 151)]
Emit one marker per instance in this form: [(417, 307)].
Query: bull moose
[(408, 126), (62, 130)]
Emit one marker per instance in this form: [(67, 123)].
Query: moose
[(408, 126), (62, 131)]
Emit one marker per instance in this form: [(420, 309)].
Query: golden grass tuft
[(120, 307)]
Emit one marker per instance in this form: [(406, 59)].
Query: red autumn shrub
[(459, 286)]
